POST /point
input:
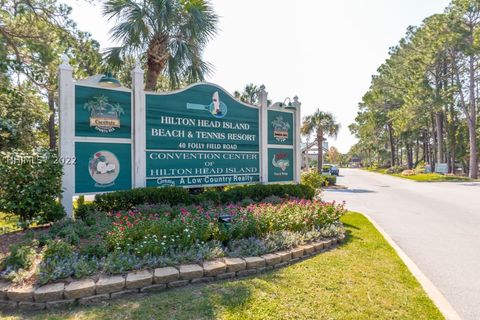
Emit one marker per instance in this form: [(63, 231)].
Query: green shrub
[(258, 192), (420, 168), (30, 183), (85, 210), (55, 268), (331, 180), (121, 200), (96, 249), (21, 256), (124, 200), (57, 249), (395, 170), (313, 179), (273, 200), (54, 212)]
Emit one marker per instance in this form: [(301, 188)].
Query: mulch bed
[(10, 238)]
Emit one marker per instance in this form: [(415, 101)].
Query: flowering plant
[(158, 229)]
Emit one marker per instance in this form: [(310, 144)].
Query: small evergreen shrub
[(124, 200), (313, 179), (21, 256), (331, 180), (128, 199), (30, 183)]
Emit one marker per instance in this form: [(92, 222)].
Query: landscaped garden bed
[(130, 236), (419, 175), (363, 278)]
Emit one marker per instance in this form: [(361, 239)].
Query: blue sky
[(323, 51)]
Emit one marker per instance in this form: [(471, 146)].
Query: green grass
[(433, 177), (362, 279), (377, 170), (424, 177), (8, 223)]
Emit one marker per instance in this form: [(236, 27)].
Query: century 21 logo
[(104, 116)]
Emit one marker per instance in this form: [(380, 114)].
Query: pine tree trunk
[(392, 144), (472, 122), (473, 163), (439, 136), (417, 151)]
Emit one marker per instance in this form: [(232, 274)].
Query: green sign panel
[(281, 165), (201, 136), (280, 127), (104, 113), (102, 167), (188, 168)]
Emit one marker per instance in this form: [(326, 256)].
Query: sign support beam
[(66, 134), (263, 99), (298, 147), (139, 133)]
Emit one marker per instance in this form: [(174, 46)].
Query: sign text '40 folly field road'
[(199, 136)]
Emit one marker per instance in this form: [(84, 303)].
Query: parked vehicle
[(330, 169)]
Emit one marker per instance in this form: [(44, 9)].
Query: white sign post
[(83, 149), (66, 134)]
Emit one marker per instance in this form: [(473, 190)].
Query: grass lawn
[(432, 177), (362, 279), (424, 177), (378, 170), (7, 223)]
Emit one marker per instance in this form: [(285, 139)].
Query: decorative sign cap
[(109, 81)]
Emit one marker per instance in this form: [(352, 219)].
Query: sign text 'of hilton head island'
[(192, 142)]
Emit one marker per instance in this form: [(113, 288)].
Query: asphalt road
[(436, 224)]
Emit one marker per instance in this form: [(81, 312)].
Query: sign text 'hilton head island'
[(199, 137)]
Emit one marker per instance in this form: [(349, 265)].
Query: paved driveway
[(436, 224)]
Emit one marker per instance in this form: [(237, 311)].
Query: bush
[(313, 179), (57, 249), (420, 168), (85, 210), (258, 192), (395, 170), (54, 212), (125, 200), (121, 200), (21, 256), (408, 173), (152, 230), (331, 180), (30, 183)]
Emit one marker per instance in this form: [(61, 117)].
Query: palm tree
[(321, 123), (248, 95), (169, 35)]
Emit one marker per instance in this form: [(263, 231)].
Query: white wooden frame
[(67, 138)]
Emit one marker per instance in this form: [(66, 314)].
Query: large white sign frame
[(67, 137)]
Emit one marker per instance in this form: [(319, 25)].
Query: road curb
[(432, 291)]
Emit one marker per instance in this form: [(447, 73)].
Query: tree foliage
[(168, 35), (34, 35), (421, 105), (321, 124)]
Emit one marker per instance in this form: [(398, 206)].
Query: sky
[(323, 51)]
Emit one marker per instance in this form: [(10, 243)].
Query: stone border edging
[(89, 292), (432, 291)]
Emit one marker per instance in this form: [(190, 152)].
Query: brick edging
[(89, 292)]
